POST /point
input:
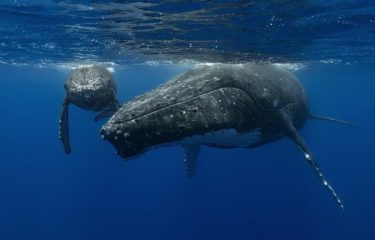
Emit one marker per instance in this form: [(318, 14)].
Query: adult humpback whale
[(91, 88), (219, 105)]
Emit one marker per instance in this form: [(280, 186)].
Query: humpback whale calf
[(91, 88), (218, 105)]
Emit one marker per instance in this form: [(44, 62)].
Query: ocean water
[(268, 192)]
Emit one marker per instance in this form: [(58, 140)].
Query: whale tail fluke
[(291, 132), (325, 118)]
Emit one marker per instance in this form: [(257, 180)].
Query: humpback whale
[(90, 88), (218, 105)]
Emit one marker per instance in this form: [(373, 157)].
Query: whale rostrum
[(218, 105)]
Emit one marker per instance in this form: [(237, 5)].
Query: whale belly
[(227, 138)]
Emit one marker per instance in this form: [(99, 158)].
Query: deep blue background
[(265, 193)]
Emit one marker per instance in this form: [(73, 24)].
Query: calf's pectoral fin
[(64, 125), (108, 111), (291, 132), (191, 156)]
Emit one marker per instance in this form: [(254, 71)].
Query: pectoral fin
[(291, 132), (191, 155), (64, 125), (319, 117), (109, 111)]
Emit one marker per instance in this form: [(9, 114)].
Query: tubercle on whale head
[(125, 149)]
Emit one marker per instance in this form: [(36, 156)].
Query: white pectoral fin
[(291, 132), (191, 155)]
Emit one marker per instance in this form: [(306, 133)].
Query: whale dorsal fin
[(291, 132), (64, 125), (191, 155)]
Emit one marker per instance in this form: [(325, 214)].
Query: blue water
[(268, 192)]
